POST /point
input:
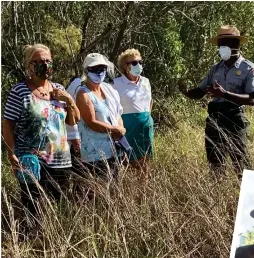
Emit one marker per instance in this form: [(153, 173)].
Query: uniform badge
[(238, 72)]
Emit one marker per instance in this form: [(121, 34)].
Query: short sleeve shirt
[(238, 79), (134, 97), (73, 89), (40, 126)]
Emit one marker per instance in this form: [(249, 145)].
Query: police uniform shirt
[(239, 78)]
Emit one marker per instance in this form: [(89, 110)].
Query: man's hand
[(216, 90)]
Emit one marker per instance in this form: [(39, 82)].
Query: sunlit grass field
[(182, 212)]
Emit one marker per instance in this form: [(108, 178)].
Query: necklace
[(44, 93)]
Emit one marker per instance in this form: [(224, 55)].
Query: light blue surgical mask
[(96, 78), (136, 70)]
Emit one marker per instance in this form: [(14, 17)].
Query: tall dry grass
[(182, 212)]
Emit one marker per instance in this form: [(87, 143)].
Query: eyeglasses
[(97, 69), (135, 62)]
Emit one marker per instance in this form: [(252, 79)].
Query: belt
[(226, 108), (231, 111), (240, 109), (228, 112)]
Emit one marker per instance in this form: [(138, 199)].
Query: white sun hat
[(94, 59)]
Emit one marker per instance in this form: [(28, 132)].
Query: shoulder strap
[(77, 88), (85, 89)]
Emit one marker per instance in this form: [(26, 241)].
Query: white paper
[(244, 223)]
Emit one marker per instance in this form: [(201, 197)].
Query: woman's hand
[(15, 164), (76, 144), (73, 114), (62, 96), (118, 132)]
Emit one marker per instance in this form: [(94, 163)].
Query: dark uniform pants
[(226, 133)]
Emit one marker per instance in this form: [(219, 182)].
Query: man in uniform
[(231, 84)]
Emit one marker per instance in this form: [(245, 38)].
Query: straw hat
[(228, 31)]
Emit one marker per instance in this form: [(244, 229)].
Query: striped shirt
[(40, 126)]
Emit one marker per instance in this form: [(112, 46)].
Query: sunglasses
[(135, 62), (97, 69), (47, 61)]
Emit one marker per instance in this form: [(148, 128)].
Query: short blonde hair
[(125, 56), (29, 51)]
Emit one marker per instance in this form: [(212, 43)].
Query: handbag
[(30, 165)]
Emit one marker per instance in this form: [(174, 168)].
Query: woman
[(72, 131), (73, 136), (101, 121), (34, 123), (136, 99)]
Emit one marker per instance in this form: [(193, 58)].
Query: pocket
[(216, 77), (235, 85), (241, 122)]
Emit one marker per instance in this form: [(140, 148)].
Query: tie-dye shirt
[(40, 126)]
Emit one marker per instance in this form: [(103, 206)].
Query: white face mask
[(136, 70), (226, 52)]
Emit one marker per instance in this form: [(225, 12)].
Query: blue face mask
[(96, 78), (136, 70)]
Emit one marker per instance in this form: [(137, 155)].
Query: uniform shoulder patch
[(249, 63)]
